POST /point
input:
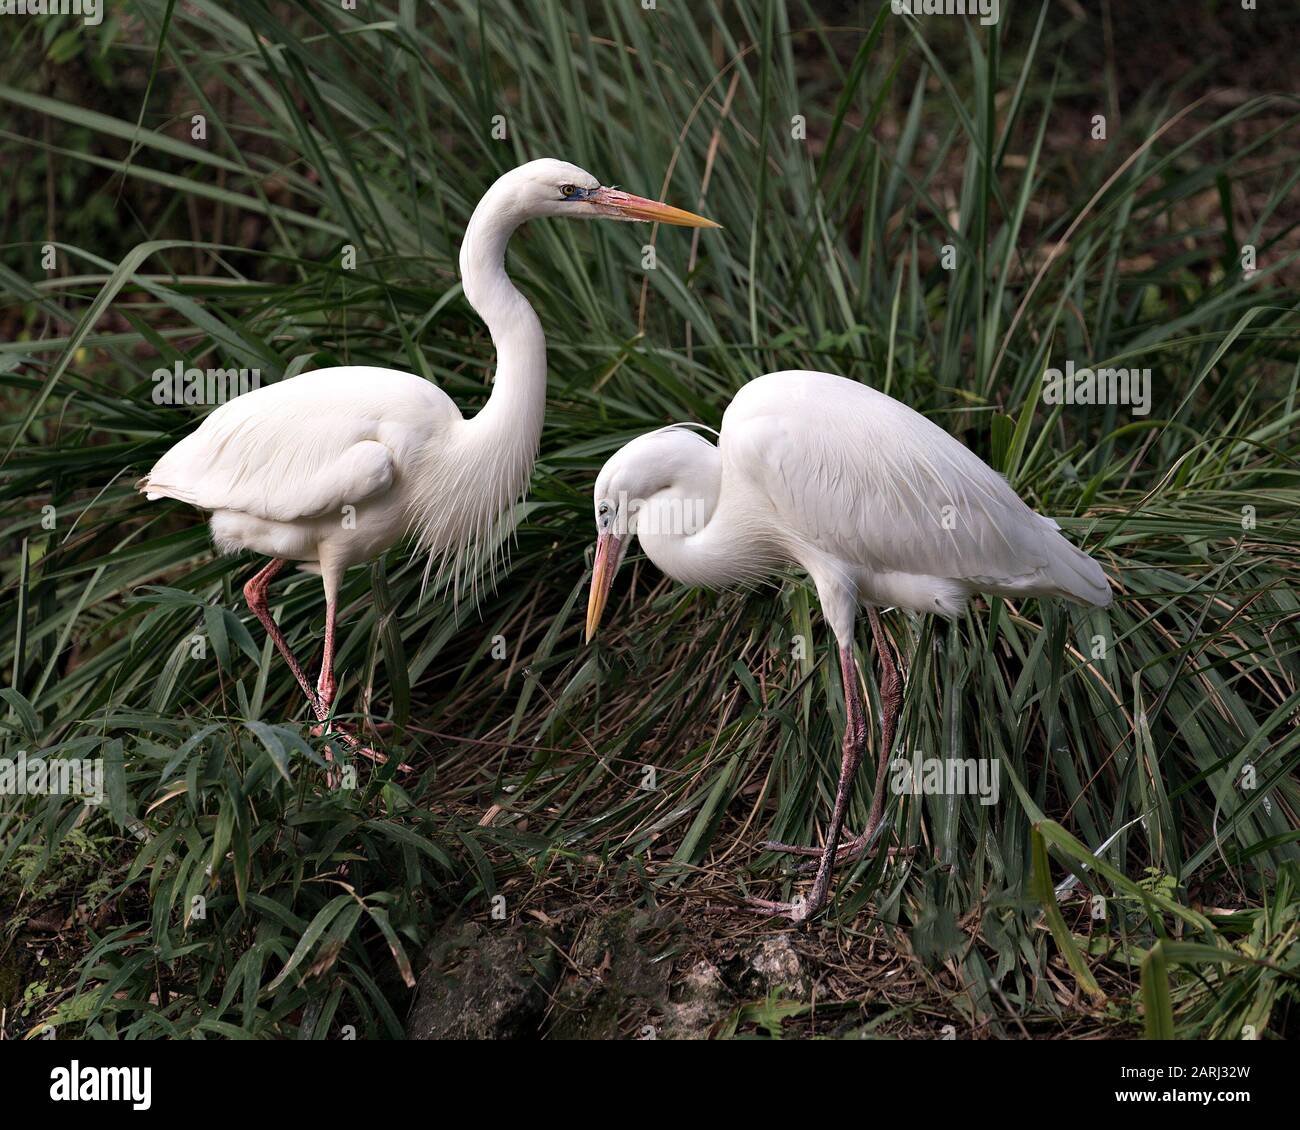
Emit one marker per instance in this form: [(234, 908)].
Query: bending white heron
[(880, 506), (333, 467)]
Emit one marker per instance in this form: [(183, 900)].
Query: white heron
[(333, 467), (878, 505)]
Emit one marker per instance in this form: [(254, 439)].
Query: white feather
[(878, 504), (331, 468)]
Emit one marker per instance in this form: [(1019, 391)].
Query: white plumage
[(277, 467), (331, 468), (880, 506), (862, 485)]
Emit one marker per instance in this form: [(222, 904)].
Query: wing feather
[(304, 446), (857, 475)]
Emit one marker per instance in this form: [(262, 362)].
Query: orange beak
[(609, 556), (624, 206)]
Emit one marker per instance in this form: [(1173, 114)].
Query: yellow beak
[(608, 558), (625, 206)]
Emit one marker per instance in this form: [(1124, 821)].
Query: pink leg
[(255, 594), (327, 686), (854, 743), (321, 699), (891, 700)]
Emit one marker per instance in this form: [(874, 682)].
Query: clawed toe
[(797, 911), (849, 852), (347, 738), (789, 849)]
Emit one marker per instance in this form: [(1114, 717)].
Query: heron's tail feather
[(152, 489), (1078, 576), (1068, 572)]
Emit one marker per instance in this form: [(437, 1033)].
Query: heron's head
[(662, 485), (548, 187)]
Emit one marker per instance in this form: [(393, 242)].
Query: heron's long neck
[(506, 431), (464, 498), (697, 533)]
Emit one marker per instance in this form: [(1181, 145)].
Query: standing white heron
[(880, 506), (333, 467)]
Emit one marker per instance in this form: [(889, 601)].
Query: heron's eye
[(568, 190), (603, 509)]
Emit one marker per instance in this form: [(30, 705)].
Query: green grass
[(373, 129)]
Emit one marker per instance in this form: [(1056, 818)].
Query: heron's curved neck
[(513, 414), (697, 534)]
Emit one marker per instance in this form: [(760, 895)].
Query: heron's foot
[(799, 910), (346, 736), (802, 907), (848, 852), (366, 725)]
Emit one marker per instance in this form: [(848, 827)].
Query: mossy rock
[(484, 982)]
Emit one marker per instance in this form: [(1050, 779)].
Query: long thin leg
[(255, 594), (322, 697), (891, 700), (327, 686), (854, 744)]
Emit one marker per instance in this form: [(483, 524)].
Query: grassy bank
[(917, 207)]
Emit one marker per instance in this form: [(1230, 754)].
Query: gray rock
[(699, 998), (626, 974), (614, 987), (774, 964), (483, 982)]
